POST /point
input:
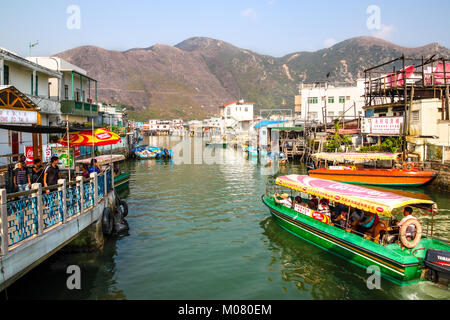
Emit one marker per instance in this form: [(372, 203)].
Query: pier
[(37, 223)]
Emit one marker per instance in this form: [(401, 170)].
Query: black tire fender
[(107, 222), (125, 208)]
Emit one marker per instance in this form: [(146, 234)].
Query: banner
[(29, 153), (65, 162)]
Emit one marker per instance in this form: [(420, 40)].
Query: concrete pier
[(36, 224)]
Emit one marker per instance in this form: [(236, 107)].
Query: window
[(416, 116), (66, 92), (313, 115), (246, 109), (228, 111), (313, 100), (330, 99), (6, 75), (36, 92), (341, 99), (31, 90)]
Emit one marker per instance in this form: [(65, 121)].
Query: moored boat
[(407, 175), (281, 157), (400, 260)]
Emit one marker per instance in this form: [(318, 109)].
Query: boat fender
[(107, 222), (415, 242), (124, 208)]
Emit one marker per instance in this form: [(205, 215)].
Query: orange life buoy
[(415, 242), (409, 166)]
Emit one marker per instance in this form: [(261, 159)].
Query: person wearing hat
[(283, 199)]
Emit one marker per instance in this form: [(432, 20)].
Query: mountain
[(190, 80)]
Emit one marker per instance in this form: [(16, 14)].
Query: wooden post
[(80, 185), (63, 188), (40, 207), (4, 223)]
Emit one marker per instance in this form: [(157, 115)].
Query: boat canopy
[(369, 200), (356, 156), (105, 159)]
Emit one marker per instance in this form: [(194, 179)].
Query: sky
[(272, 27)]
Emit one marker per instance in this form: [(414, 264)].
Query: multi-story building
[(238, 115), (75, 89), (33, 104), (322, 102), (416, 110)]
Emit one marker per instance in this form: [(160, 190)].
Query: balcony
[(77, 108)]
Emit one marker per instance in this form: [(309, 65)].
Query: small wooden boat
[(271, 157), (401, 261), (407, 175)]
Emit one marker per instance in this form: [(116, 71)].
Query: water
[(202, 232)]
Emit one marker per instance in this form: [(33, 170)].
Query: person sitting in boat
[(85, 171), (366, 223), (312, 205), (342, 220), (355, 216), (411, 230), (324, 208), (283, 199), (316, 201), (338, 209)]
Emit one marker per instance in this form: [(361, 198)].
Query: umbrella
[(89, 138)]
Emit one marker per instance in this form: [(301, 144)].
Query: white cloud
[(385, 32), (329, 42), (271, 2), (249, 13)]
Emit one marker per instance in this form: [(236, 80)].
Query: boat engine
[(438, 264)]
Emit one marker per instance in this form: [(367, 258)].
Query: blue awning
[(268, 123)]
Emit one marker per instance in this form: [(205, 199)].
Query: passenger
[(355, 216), (312, 205), (367, 222), (316, 201), (341, 221), (22, 180), (411, 230), (338, 209), (37, 172), (94, 167), (283, 199), (324, 208)]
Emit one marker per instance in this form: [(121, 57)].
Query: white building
[(32, 80), (75, 89), (343, 101), (238, 115)]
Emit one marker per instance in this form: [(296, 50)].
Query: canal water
[(200, 231)]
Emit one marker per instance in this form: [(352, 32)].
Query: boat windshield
[(343, 157)]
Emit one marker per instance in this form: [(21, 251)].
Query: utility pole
[(32, 45)]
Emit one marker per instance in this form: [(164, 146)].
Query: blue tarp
[(268, 123)]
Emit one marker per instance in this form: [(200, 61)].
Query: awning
[(369, 200), (105, 159), (288, 128), (40, 129), (268, 123), (356, 156)]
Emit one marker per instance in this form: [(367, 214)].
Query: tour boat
[(407, 175), (401, 261)]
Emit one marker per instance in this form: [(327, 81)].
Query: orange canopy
[(100, 137)]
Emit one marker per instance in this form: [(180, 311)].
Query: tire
[(125, 208), (107, 222)]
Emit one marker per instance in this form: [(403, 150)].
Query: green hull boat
[(397, 263), (122, 181)]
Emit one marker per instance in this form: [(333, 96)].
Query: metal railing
[(30, 214)]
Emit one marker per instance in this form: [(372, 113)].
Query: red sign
[(30, 155)]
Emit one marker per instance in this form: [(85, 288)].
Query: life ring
[(107, 222), (409, 166), (415, 242)]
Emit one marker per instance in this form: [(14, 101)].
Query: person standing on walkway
[(22, 180), (52, 173), (37, 172)]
